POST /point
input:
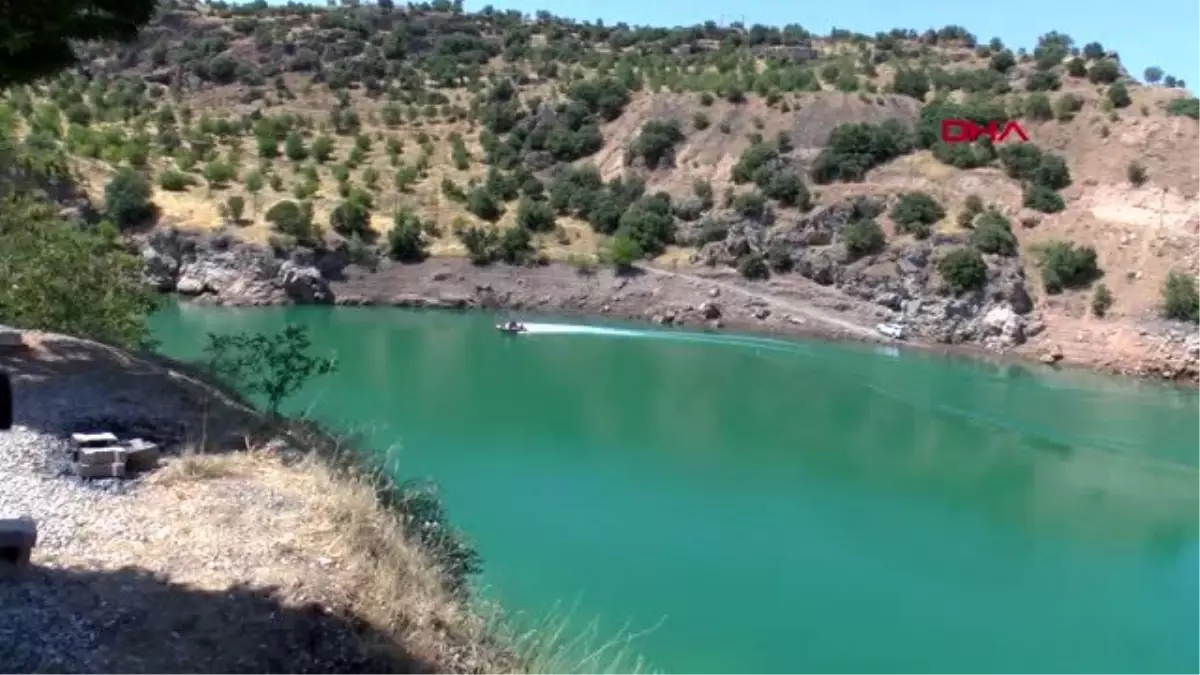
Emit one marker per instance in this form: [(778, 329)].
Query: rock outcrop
[(218, 269), (901, 278)]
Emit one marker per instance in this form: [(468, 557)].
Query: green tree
[(1153, 74), (272, 365), (127, 197), (57, 277)]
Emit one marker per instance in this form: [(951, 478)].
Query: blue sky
[(1165, 33)]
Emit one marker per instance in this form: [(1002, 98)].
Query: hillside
[(809, 164)]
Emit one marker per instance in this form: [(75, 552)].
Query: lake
[(740, 504)]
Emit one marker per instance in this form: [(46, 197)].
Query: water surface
[(766, 506)]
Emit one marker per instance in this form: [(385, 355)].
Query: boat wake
[(572, 329), (766, 344)]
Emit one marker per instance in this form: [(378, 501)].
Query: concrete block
[(93, 440), (93, 456), (141, 455), (18, 536), (116, 470)]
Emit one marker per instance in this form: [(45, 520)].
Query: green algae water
[(750, 505)]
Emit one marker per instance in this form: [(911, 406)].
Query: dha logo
[(966, 131)]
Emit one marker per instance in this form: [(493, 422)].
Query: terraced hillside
[(810, 165)]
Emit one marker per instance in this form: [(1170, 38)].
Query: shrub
[(484, 204), (700, 121), (127, 197), (479, 243), (656, 140), (1104, 71), (351, 217), (916, 212), (1118, 95), (291, 219), (963, 270), (1042, 198), (854, 149), (1037, 107), (1102, 300), (649, 222), (1076, 67), (788, 189), (750, 205), (515, 246), (405, 241), (623, 252), (1181, 299), (235, 206), (1185, 107), (1136, 173), (753, 158), (293, 147), (863, 237), (753, 266), (912, 83), (322, 148), (993, 234), (535, 216), (173, 180), (1066, 266)]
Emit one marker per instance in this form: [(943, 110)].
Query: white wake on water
[(573, 329), (672, 336)]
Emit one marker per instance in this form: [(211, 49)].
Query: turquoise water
[(765, 506)]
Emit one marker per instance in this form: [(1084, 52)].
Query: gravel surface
[(41, 626), (50, 619)]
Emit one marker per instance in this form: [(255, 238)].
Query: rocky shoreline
[(826, 297)]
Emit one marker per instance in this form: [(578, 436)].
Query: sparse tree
[(272, 365)]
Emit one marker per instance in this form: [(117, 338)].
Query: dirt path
[(801, 309)]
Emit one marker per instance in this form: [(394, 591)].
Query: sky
[(1163, 33)]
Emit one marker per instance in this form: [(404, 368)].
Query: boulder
[(304, 284)]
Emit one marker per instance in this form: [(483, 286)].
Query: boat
[(512, 327), (891, 330)]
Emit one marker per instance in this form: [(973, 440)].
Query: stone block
[(94, 440), (141, 455), (95, 456), (116, 470), (18, 536)]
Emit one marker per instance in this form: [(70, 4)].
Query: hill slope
[(811, 160)]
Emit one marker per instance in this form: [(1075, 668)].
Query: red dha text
[(966, 131)]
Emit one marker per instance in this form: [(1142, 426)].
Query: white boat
[(512, 327), (894, 331)]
